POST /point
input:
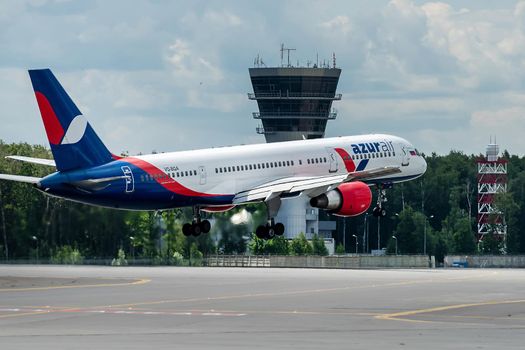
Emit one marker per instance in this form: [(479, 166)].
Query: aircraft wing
[(19, 178), (314, 185), (41, 161)]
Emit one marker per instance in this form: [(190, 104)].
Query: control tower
[(295, 103)]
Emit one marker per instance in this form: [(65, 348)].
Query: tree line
[(440, 206)]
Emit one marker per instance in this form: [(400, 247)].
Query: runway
[(50, 307)]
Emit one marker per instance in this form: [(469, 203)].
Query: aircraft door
[(332, 158), (202, 175), (406, 156)]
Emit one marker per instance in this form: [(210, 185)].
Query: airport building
[(295, 103)]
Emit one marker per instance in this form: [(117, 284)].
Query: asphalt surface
[(56, 307)]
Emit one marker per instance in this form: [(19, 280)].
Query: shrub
[(67, 255), (120, 260)]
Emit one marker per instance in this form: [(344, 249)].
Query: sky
[(173, 75)]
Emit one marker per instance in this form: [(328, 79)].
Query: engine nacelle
[(348, 199)]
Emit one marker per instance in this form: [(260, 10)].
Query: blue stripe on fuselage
[(362, 165), (147, 195)]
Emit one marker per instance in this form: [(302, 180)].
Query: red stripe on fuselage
[(166, 181), (54, 129), (347, 160)]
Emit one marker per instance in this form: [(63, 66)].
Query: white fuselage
[(228, 170)]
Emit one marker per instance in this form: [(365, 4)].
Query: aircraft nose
[(423, 165)]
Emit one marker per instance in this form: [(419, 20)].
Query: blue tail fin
[(74, 143)]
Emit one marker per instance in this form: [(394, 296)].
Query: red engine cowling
[(348, 199)]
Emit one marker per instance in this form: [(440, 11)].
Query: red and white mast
[(492, 180)]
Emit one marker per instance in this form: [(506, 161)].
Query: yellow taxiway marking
[(297, 292), (137, 282), (399, 316)]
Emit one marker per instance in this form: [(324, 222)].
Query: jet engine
[(348, 199)]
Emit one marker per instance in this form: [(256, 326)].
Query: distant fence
[(327, 262), (238, 261), (485, 261)]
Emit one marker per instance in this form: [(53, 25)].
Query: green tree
[(318, 246), (340, 249), (300, 245), (275, 246)]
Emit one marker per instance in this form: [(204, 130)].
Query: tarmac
[(86, 307)]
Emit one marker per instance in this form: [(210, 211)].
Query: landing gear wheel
[(186, 229), (270, 232), (279, 229), (382, 212), (205, 226), (261, 232), (196, 229)]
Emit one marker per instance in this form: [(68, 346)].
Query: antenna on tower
[(282, 54), (333, 58)]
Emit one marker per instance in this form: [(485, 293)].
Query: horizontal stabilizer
[(41, 161), (96, 184), (19, 178)]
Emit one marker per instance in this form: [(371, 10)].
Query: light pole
[(378, 233), (425, 235), (356, 243), (344, 233), (395, 238), (35, 238), (364, 232), (132, 240)]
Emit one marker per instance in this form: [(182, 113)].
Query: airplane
[(335, 173)]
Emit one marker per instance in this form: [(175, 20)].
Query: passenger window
[(324, 159), (275, 164), (229, 169), (308, 161), (300, 162), (292, 162), (316, 160), (279, 163)]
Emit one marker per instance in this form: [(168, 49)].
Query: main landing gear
[(271, 229), (197, 226), (379, 210)]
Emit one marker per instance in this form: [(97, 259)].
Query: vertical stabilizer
[(74, 143)]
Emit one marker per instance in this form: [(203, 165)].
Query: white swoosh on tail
[(76, 130)]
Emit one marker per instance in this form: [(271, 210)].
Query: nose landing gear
[(379, 210)]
